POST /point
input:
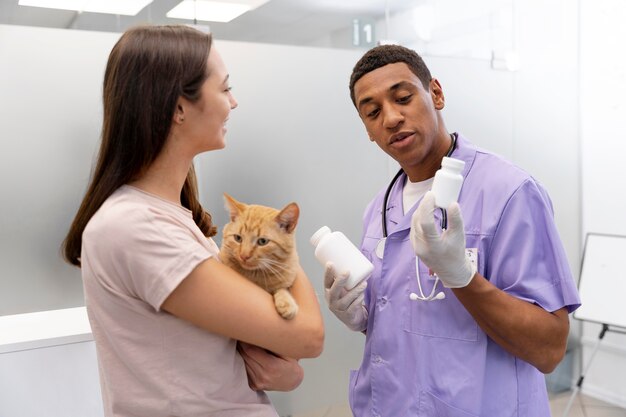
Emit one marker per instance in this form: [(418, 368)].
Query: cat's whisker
[(274, 263), (280, 269), (268, 269)]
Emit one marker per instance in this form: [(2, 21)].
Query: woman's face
[(205, 120)]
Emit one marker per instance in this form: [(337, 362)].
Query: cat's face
[(259, 237)]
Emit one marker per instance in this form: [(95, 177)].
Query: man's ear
[(436, 92)]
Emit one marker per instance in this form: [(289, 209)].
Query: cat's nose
[(244, 257)]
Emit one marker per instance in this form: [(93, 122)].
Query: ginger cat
[(259, 243)]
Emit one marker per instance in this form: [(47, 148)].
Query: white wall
[(603, 88), (50, 83)]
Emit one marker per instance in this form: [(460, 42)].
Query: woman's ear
[(179, 114)]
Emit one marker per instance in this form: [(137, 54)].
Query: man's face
[(400, 115)]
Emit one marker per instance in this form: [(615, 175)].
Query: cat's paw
[(285, 304)]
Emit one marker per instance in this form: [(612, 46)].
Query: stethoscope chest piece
[(380, 248)]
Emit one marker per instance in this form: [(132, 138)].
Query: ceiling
[(292, 22)]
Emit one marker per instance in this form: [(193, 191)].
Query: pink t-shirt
[(136, 250)]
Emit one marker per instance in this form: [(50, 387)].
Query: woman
[(165, 313)]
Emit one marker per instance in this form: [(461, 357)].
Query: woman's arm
[(219, 300), (523, 329)]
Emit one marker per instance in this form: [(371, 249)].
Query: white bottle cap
[(317, 236), (453, 163)]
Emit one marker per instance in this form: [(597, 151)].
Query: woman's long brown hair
[(149, 68)]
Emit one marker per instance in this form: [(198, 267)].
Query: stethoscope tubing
[(386, 200)]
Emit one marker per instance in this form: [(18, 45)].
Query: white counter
[(44, 329), (48, 365)]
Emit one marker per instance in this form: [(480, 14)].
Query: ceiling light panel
[(122, 7), (213, 11)]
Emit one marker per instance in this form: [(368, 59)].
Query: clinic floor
[(583, 406)]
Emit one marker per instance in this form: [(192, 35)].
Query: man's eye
[(405, 99), (237, 238), (373, 113), (262, 241)]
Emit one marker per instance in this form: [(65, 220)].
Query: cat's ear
[(233, 206), (288, 217)]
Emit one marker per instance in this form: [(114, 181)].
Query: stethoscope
[(380, 248)]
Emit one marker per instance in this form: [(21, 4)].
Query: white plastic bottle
[(448, 182), (337, 248)]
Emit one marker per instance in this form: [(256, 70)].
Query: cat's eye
[(237, 238), (262, 241)]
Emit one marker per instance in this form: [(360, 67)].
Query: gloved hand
[(444, 254), (347, 305)]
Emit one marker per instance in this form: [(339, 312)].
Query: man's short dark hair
[(382, 55)]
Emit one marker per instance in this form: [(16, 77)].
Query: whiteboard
[(602, 284)]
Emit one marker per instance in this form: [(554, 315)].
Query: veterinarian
[(462, 322), (166, 315)]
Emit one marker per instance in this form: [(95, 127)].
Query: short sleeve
[(367, 218), (527, 258), (152, 253)]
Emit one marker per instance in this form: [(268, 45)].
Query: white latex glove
[(347, 305), (443, 253)]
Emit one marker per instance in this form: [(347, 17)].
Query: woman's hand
[(269, 372)]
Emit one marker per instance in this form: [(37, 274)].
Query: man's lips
[(399, 137)]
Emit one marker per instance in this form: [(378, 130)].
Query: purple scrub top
[(430, 358)]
